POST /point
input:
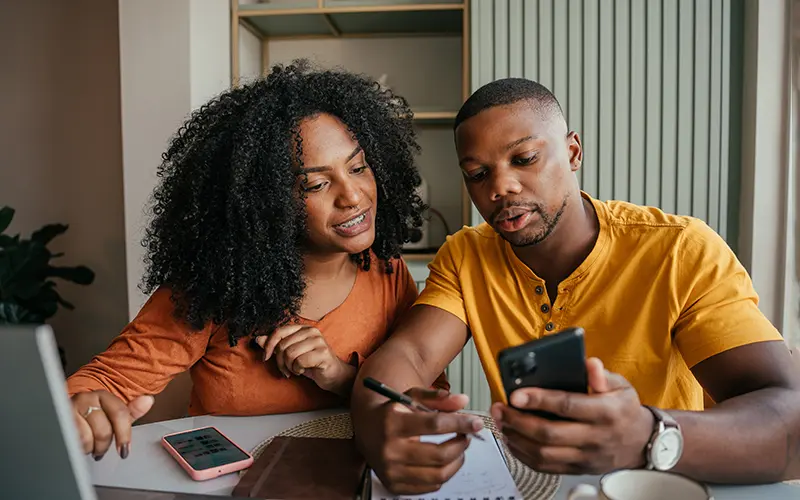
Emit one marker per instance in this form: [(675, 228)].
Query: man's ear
[(575, 151)]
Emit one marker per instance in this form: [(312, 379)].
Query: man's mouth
[(511, 214)]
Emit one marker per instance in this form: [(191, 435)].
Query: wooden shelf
[(435, 116), (355, 20)]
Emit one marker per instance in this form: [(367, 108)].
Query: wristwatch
[(666, 444)]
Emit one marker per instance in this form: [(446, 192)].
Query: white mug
[(642, 484)]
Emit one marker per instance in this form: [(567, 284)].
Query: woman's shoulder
[(388, 278)]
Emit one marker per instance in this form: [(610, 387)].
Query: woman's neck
[(328, 267)]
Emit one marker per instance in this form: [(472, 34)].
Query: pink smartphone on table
[(206, 453)]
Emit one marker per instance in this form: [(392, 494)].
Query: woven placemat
[(533, 485)]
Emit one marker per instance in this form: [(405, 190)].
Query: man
[(667, 308)]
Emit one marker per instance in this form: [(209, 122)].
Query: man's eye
[(527, 160), (477, 177)]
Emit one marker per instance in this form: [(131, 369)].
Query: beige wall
[(154, 46), (60, 152), (792, 312), (174, 57)]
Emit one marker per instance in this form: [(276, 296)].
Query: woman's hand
[(100, 417), (302, 350)]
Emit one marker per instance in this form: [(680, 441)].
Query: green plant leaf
[(15, 314), (81, 275), (6, 214), (26, 290), (48, 232), (45, 303), (6, 241)]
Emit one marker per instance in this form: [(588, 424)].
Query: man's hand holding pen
[(400, 434)]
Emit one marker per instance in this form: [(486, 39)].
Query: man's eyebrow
[(520, 141), (508, 146)]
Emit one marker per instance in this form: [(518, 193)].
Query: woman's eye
[(360, 169), (315, 187)]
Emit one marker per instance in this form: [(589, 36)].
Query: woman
[(272, 254)]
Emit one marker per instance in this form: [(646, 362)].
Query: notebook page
[(483, 475)]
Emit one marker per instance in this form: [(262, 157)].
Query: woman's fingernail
[(97, 458), (124, 451)]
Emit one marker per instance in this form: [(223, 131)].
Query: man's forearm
[(752, 438), (395, 365)]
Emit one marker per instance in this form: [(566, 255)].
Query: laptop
[(42, 457)]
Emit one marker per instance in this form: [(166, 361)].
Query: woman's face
[(339, 187)]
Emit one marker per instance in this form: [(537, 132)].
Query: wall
[(156, 96), (765, 238), (209, 49), (791, 312), (61, 156), (174, 57)]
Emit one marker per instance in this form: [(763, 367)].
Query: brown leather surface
[(293, 468)]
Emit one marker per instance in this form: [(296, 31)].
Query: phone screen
[(206, 448)]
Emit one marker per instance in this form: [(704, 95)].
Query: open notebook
[(483, 475)]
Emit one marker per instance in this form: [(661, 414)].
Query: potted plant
[(28, 292)]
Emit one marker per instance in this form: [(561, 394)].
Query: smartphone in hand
[(206, 453), (555, 362)]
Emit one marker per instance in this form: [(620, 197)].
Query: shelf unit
[(297, 20)]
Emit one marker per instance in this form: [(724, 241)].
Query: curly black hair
[(228, 220)]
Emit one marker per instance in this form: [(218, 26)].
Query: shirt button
[(545, 308), (549, 327), (539, 289)]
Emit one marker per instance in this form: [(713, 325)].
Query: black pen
[(403, 399)]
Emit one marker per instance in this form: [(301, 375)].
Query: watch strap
[(663, 417)]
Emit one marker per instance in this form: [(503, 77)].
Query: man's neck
[(320, 268), (555, 258)]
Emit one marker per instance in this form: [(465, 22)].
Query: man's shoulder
[(623, 213), (625, 218)]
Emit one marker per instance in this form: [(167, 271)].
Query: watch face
[(667, 449)]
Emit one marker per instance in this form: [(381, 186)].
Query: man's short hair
[(509, 91)]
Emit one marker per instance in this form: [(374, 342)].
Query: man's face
[(518, 163)]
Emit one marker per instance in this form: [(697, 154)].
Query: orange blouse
[(156, 346)]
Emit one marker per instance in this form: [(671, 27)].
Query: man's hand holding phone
[(603, 430)]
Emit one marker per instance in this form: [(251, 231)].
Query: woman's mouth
[(354, 226)]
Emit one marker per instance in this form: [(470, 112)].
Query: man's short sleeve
[(719, 304)]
